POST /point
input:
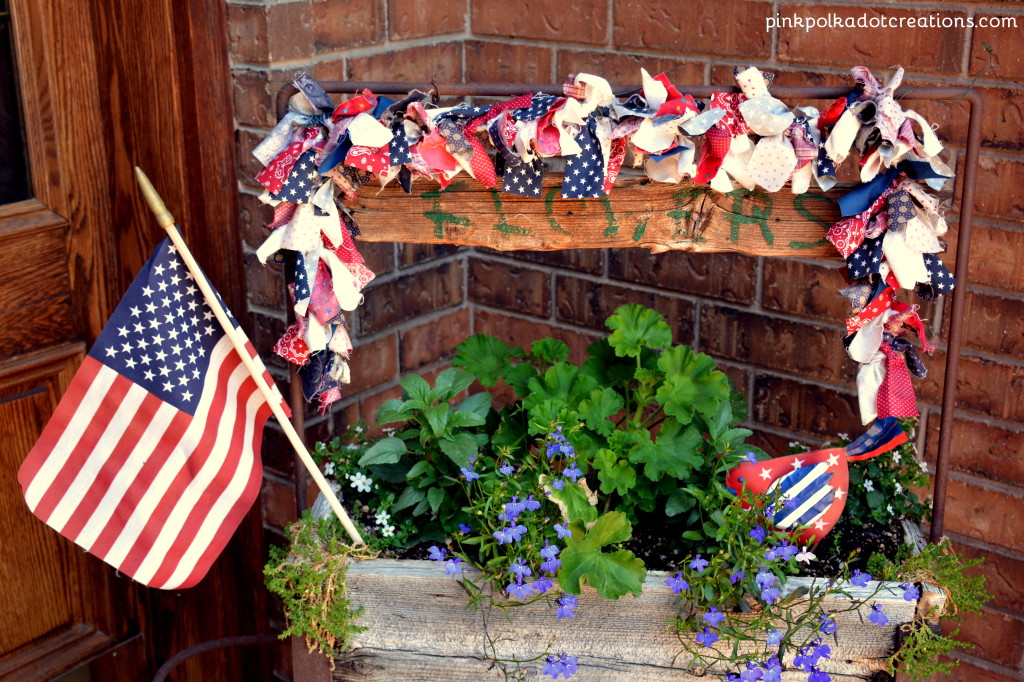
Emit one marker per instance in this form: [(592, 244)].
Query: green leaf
[(606, 367), (452, 382), (437, 417), (385, 451), (478, 404), (576, 502), (612, 574), (394, 410), (876, 499), (435, 496), (596, 410), (614, 474), (519, 378), (409, 497), (679, 502), (676, 452), (635, 327), (460, 448), (419, 468), (417, 388), (550, 350), (562, 383), (485, 357), (691, 384), (692, 536)]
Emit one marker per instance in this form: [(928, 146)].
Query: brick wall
[(773, 324)]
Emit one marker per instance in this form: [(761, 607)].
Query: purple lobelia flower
[(910, 592), (563, 531), (713, 617), (677, 583), (877, 616), (453, 566), (859, 579), (566, 606), (541, 585), (757, 532), (706, 638), (520, 569), (699, 564), (518, 589), (506, 469), (436, 554)]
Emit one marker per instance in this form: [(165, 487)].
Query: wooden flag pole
[(166, 221)]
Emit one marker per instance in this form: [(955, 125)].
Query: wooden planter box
[(421, 628)]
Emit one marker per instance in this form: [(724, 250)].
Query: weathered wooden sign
[(638, 212)]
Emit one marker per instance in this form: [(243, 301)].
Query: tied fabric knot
[(274, 175)]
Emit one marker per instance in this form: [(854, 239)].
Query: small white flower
[(888, 508), (387, 531), (329, 469), (352, 446), (896, 457), (843, 436), (805, 557), (899, 488), (361, 482), (357, 428), (869, 484), (382, 517)]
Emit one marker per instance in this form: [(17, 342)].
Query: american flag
[(151, 459), (584, 172)]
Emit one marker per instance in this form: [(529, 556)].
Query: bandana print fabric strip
[(273, 176), (151, 459)]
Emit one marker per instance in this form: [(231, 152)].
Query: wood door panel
[(36, 600)]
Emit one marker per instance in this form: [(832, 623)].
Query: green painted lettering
[(439, 217), (760, 210), (799, 203)]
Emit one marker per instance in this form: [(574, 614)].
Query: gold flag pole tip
[(156, 204)]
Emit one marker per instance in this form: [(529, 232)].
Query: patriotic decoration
[(151, 459), (892, 228), (810, 488)]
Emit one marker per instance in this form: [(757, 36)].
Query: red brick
[(404, 298), (967, 671), (577, 260), (996, 636), (373, 363), (718, 275), (816, 411), (804, 288), (722, 28), (289, 30), (997, 257), (368, 406), (331, 69), (1004, 575), (983, 386), (519, 331), (442, 62), (981, 449), (565, 22), (1006, 59), (247, 33), (623, 70), (379, 256), (433, 341), (248, 165), (917, 49), (809, 350), (498, 284), (341, 24), (995, 194), (415, 254), (978, 510), (253, 93), (419, 18), (772, 443), (278, 499), (738, 376), (253, 217), (589, 304), (265, 283), (995, 324), (503, 63)]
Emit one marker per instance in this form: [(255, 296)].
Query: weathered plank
[(638, 212), (418, 621)]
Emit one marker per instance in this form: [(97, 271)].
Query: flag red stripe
[(58, 422), (112, 464), (213, 490), (192, 466), (238, 511), (83, 448)]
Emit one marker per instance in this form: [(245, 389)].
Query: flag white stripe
[(58, 456), (173, 464), (200, 482), (86, 476), (815, 498), (125, 478), (793, 492), (225, 503)]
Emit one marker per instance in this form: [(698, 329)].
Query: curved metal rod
[(185, 654)]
